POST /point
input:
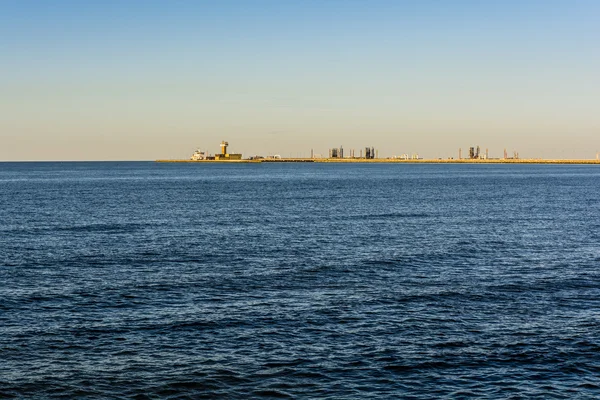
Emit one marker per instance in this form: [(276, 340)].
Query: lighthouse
[(224, 145)]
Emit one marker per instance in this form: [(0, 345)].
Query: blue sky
[(158, 79)]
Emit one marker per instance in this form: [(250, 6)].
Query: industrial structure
[(338, 152), (475, 154), (514, 157)]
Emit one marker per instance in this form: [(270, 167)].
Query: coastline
[(392, 161)]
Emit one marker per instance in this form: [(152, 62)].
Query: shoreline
[(390, 161)]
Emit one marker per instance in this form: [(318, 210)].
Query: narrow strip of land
[(395, 161)]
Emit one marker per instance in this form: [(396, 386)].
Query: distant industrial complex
[(475, 154), (370, 154)]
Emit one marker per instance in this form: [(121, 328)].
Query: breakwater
[(399, 161)]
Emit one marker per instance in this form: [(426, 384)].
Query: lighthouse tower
[(224, 145)]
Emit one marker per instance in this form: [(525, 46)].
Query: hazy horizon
[(133, 80)]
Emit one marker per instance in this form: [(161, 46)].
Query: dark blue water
[(154, 280)]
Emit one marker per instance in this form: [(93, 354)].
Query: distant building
[(336, 152), (225, 156), (369, 153), (475, 153)]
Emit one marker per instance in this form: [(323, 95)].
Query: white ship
[(198, 155)]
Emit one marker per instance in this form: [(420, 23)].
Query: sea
[(148, 280)]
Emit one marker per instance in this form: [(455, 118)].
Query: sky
[(145, 80)]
